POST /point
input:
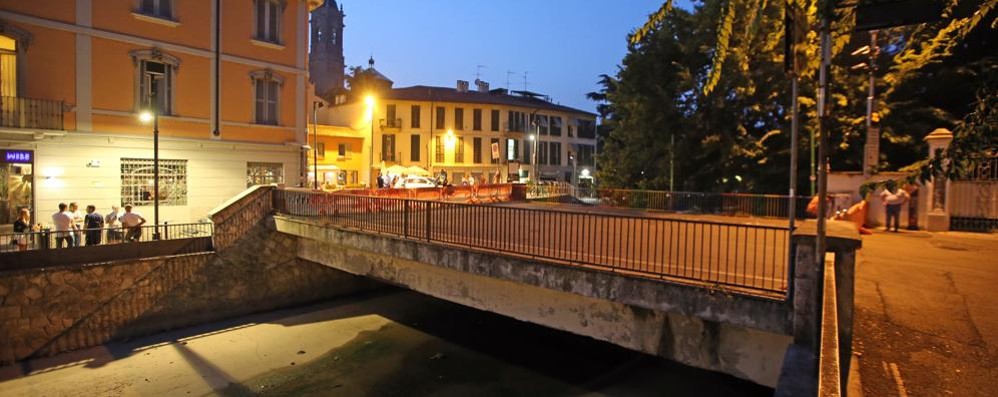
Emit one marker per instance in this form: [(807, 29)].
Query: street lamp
[(315, 141), (369, 100), (145, 117), (533, 156)]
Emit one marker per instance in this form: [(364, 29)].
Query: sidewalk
[(927, 314)]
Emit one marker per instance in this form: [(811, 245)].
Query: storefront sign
[(17, 156)]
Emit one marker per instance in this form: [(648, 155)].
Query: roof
[(495, 97)]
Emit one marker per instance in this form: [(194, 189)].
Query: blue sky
[(563, 45)]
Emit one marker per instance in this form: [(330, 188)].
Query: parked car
[(415, 182)]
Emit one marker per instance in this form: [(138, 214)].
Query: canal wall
[(50, 310), (739, 335)]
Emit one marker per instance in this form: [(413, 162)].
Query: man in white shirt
[(74, 212), (894, 198), (63, 222), (132, 222), (113, 222)]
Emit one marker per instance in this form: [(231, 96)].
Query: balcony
[(514, 127), (17, 112), (391, 124)]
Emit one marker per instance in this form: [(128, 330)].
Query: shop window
[(268, 20), (137, 186), (264, 173), (267, 90)]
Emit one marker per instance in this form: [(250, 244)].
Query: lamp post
[(145, 117), (369, 100), (315, 142)]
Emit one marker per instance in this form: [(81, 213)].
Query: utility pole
[(871, 152)]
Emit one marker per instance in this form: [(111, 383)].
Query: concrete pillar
[(806, 293), (845, 287), (937, 190)]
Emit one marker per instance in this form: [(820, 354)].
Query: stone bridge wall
[(52, 310)]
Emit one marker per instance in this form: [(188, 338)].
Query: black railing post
[(429, 216), (166, 230), (405, 218)]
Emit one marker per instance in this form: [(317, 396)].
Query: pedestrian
[(471, 180), (63, 223), (113, 222), (94, 224), (893, 199), (381, 181), (132, 223), (464, 180), (74, 211), (22, 230)]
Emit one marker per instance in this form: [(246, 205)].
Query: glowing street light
[(145, 117), (369, 101)]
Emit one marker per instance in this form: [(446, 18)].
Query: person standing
[(22, 229), (894, 199), (74, 211), (132, 223), (94, 224), (113, 222), (63, 222)]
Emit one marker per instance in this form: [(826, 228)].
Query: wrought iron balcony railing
[(18, 112)]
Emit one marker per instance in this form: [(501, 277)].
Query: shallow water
[(436, 348)]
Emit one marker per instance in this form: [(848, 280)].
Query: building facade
[(491, 135), (228, 79)]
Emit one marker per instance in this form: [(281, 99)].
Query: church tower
[(326, 64)]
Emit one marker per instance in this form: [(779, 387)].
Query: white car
[(416, 182)]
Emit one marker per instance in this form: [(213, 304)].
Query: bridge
[(742, 296), (718, 293)]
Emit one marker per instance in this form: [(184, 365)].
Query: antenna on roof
[(508, 73), (478, 72), (525, 80)]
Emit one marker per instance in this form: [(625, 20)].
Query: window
[(555, 158), (414, 117), (137, 182), (585, 154), (8, 66), (441, 117), (556, 126), (342, 149), (157, 8), (268, 20), (459, 118), (539, 123), (542, 153), (459, 151), (388, 147), (511, 149), (587, 128), (267, 89), (438, 151), (495, 120), (494, 159), (264, 173), (476, 150), (154, 77), (414, 148), (476, 119), (526, 152), (320, 149), (391, 117), (516, 122)]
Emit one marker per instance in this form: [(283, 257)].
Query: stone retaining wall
[(52, 310)]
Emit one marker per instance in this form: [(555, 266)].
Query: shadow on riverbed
[(436, 348)]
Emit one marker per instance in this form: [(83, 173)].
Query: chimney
[(482, 86), (462, 86)]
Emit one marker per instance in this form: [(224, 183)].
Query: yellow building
[(228, 78), (455, 130)]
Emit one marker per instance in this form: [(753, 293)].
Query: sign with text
[(495, 150), (17, 156)]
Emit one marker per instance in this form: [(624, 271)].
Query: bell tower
[(326, 63)]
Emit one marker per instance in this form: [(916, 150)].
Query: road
[(742, 253), (926, 317), (390, 343)]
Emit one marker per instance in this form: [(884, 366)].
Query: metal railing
[(549, 190), (758, 205), (391, 123), (50, 239), (20, 112), (746, 257)]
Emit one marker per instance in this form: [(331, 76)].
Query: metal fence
[(974, 197), (750, 257), (49, 239), (20, 112), (758, 205), (549, 190)]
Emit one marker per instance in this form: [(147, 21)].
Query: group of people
[(73, 228)]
